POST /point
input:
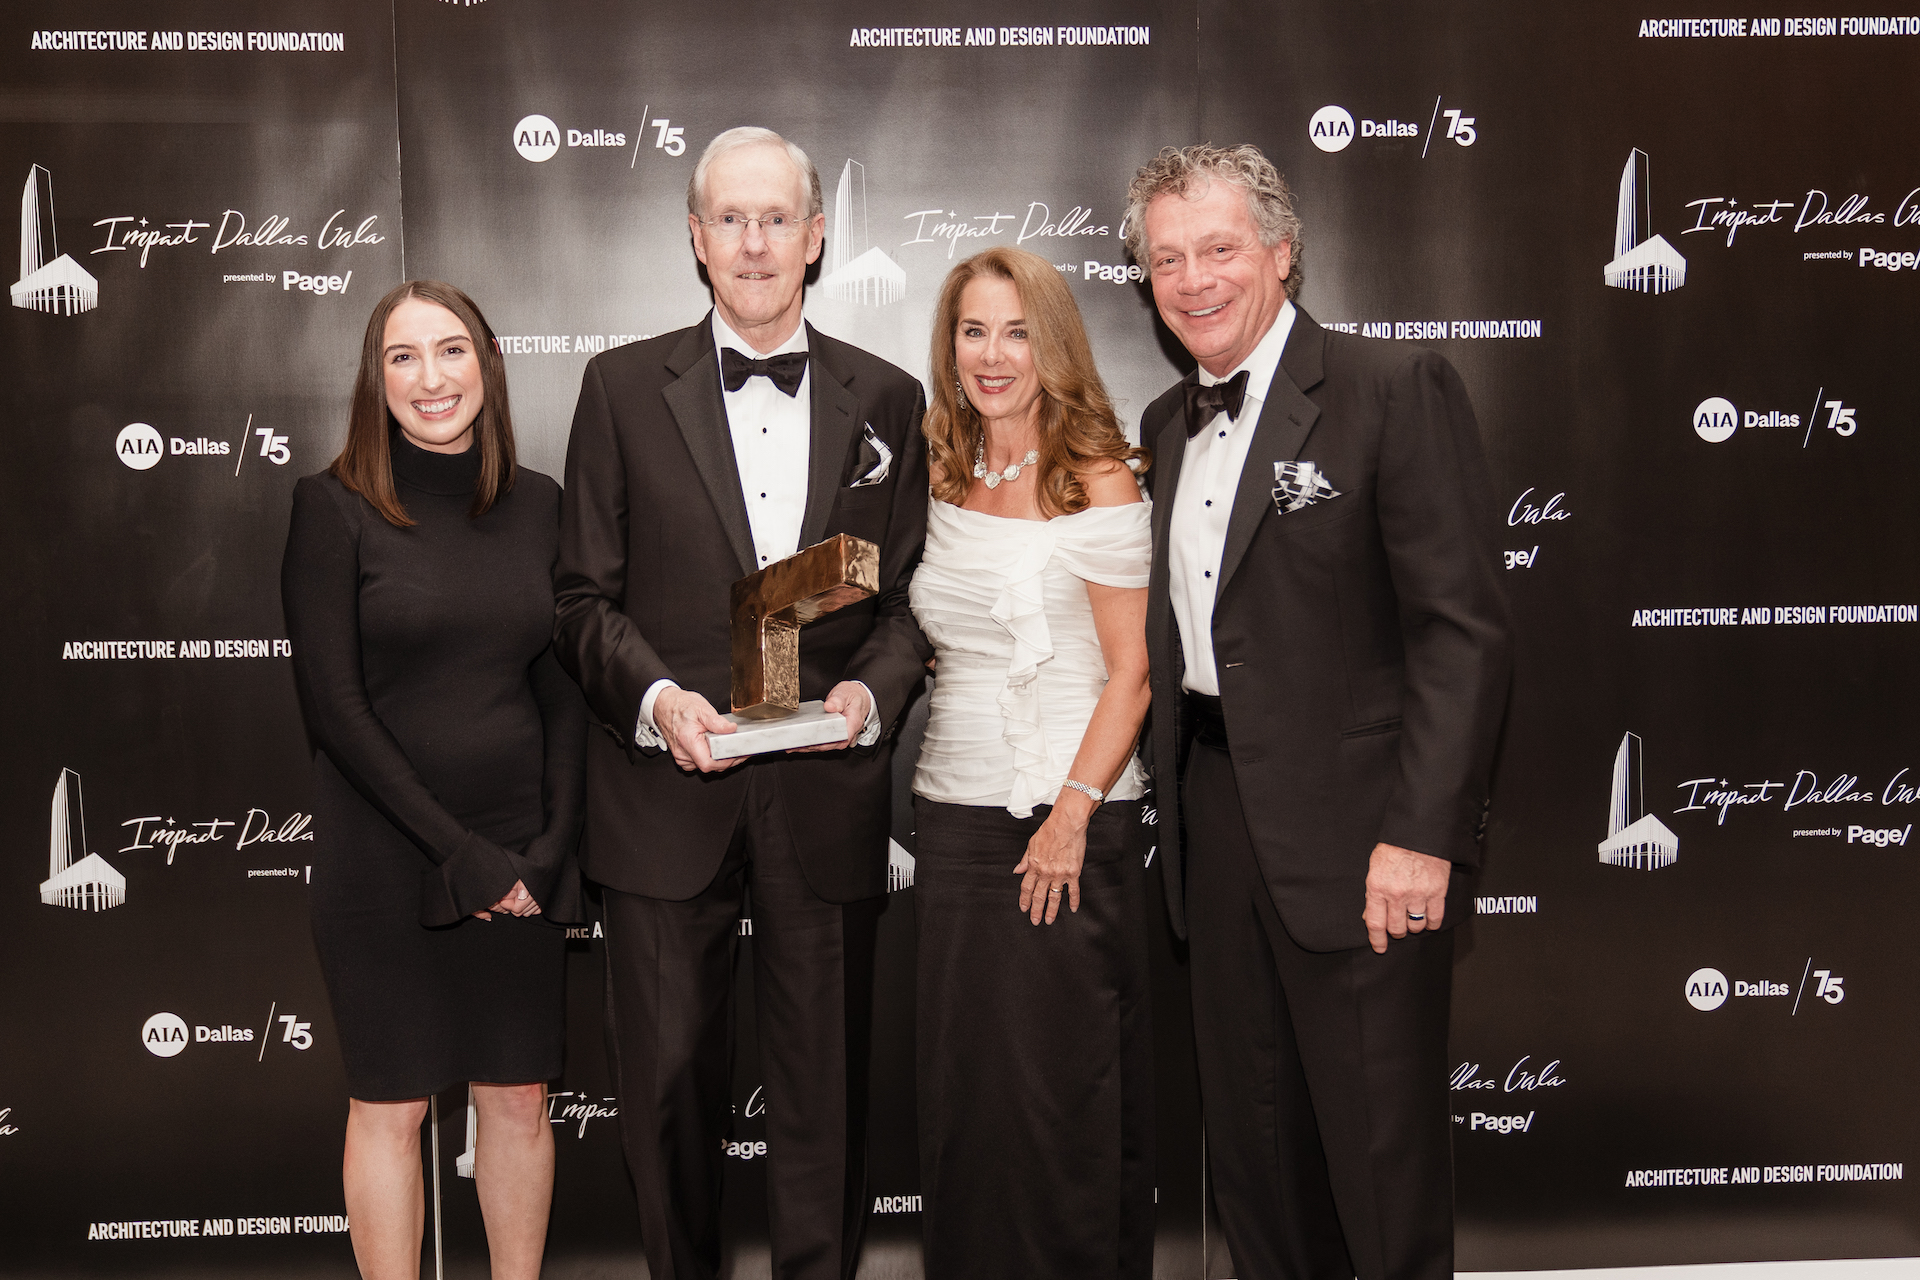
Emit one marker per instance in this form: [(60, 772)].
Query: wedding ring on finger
[(1054, 890), (1416, 915)]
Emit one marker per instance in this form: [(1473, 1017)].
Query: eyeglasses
[(774, 226)]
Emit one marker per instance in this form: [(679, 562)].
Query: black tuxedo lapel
[(1286, 416), (1169, 452), (836, 414), (702, 416)]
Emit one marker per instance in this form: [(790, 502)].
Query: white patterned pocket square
[(884, 464), (1299, 484)]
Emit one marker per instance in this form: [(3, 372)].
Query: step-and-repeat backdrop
[(1674, 258)]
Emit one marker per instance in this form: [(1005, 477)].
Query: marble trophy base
[(810, 726)]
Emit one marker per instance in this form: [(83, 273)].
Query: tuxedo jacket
[(1361, 641), (654, 533)]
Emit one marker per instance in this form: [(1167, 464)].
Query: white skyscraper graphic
[(899, 867), (1635, 838), (1640, 261), (62, 286), (861, 275), (463, 1163), (89, 884)]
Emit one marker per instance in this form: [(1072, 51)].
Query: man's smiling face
[(1218, 288), (757, 280)]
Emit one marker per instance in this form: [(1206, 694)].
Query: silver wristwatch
[(1099, 796)]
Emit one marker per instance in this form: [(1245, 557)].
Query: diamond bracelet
[(1099, 796)]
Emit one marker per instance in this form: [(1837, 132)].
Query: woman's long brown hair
[(365, 464), (1078, 428)]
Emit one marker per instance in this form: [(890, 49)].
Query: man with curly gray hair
[(1328, 642), (1179, 170)]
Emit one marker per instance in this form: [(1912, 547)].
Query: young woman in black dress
[(448, 788)]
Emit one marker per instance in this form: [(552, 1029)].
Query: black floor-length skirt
[(1035, 1055)]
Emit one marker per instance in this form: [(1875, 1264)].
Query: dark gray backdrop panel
[(1571, 1013), (185, 550), (944, 151), (1581, 1063)]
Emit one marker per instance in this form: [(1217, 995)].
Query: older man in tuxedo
[(1328, 642), (696, 458)]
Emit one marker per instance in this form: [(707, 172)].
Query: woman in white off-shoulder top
[(1035, 1084)]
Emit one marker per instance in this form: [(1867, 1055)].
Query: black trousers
[(1323, 1075), (670, 993)]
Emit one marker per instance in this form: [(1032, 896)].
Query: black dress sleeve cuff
[(552, 875), (478, 874)]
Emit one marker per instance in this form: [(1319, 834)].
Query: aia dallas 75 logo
[(1717, 419), (166, 1035), (140, 446), (1708, 989)]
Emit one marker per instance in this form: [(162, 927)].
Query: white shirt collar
[(724, 336), (1260, 366)]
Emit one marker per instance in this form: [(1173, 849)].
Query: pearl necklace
[(993, 478)]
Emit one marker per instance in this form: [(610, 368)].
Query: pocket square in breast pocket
[(876, 460), (1299, 484)]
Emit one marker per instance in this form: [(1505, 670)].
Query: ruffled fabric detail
[(1022, 609), (1020, 670)]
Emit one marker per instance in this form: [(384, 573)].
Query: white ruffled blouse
[(1004, 602)]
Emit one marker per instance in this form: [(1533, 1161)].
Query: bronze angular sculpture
[(769, 608)]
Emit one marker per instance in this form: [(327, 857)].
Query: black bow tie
[(784, 371), (1204, 402)]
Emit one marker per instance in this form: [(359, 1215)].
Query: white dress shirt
[(1209, 477), (771, 434), (772, 438)]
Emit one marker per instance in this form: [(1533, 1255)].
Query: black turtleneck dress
[(448, 757)]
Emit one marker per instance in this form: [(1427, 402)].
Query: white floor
[(1847, 1269)]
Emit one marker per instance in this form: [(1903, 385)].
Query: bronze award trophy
[(769, 608)]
